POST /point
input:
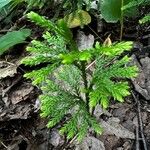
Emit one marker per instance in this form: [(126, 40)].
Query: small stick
[(137, 137), (140, 121), (70, 142), (3, 144), (91, 64)]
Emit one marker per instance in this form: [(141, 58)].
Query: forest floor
[(126, 125)]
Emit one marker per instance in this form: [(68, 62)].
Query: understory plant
[(73, 81), (137, 3), (145, 19)]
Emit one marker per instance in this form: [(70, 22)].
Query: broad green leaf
[(12, 38), (79, 18), (111, 10), (4, 3)]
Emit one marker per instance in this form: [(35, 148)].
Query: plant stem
[(84, 76), (121, 21)]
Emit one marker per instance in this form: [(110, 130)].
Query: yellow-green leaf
[(79, 18)]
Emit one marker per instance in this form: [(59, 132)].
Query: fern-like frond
[(104, 75), (116, 69), (41, 75), (145, 19), (102, 93), (68, 91), (46, 51), (79, 124), (42, 21), (113, 50), (60, 28), (55, 104), (99, 95), (69, 76)]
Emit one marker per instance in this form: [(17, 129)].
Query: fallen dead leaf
[(112, 127)]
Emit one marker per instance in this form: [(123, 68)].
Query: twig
[(14, 64), (95, 33), (137, 137), (91, 64), (140, 121), (70, 142), (3, 144), (141, 127), (48, 138)]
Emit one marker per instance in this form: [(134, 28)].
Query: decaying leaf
[(90, 143), (79, 18), (21, 93), (112, 127), (7, 70), (107, 42)]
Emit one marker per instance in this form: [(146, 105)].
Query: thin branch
[(95, 33), (3, 144), (140, 121), (137, 138)]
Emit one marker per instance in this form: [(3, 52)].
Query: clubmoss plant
[(71, 86)]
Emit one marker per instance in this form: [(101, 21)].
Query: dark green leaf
[(13, 38)]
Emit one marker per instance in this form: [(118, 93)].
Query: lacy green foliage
[(70, 91), (145, 19), (36, 3), (73, 5)]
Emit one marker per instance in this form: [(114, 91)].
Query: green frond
[(100, 96), (75, 56), (36, 3), (118, 69), (119, 90), (95, 125), (46, 51), (70, 128), (56, 105), (113, 50), (42, 21), (36, 60), (70, 76), (145, 19), (104, 75), (79, 124), (59, 29), (41, 75)]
